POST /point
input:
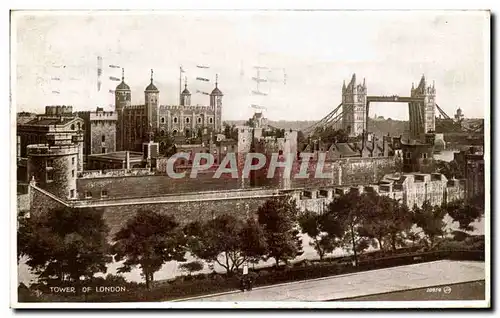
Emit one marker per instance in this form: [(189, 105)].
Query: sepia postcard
[(250, 159)]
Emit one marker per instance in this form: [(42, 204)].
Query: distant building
[(134, 122), (428, 92), (100, 132), (472, 163), (354, 107), (115, 160), (55, 128), (459, 116)]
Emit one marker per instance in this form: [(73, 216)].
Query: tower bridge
[(352, 113)]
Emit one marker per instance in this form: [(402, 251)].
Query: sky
[(317, 50)]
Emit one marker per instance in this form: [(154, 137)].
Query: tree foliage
[(278, 218), (465, 212), (330, 135), (65, 244), (149, 240), (225, 240), (346, 214), (191, 267), (231, 132), (450, 169), (315, 226), (385, 221), (430, 219)]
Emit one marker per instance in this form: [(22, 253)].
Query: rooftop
[(50, 121), (118, 155)]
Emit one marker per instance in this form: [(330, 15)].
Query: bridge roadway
[(373, 282)]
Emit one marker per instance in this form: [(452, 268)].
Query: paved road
[(362, 284)]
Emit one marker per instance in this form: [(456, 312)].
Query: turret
[(122, 94), (354, 107), (185, 95), (151, 95), (216, 104), (122, 100)]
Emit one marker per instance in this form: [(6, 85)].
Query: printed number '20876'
[(434, 289)]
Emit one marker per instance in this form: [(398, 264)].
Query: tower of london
[(137, 123)]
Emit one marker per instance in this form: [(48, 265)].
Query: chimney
[(127, 160)]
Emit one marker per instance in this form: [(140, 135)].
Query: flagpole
[(180, 84)]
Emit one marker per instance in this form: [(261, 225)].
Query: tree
[(345, 214), (330, 135), (400, 223), (226, 240), (253, 241), (191, 267), (430, 220), (449, 169), (385, 221), (65, 244), (313, 224), (465, 212), (278, 218), (149, 240)]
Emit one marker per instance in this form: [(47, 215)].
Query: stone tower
[(55, 167), (354, 107), (151, 94), (122, 100), (422, 115), (185, 95), (216, 104)]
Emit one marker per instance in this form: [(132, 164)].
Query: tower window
[(175, 120), (174, 132), (199, 120), (103, 138), (162, 132), (104, 194), (50, 162), (211, 120), (72, 126), (162, 120), (72, 173), (50, 176), (187, 120), (103, 150), (73, 161)]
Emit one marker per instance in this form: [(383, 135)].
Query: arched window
[(162, 132), (211, 120), (162, 120), (199, 120), (187, 120), (72, 126), (175, 120), (174, 132), (78, 126)]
